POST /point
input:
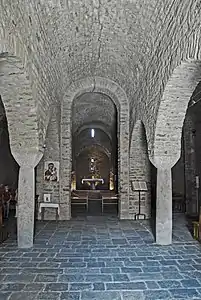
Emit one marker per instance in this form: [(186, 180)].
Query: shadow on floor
[(95, 209)]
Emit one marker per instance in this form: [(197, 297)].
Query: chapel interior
[(100, 113)]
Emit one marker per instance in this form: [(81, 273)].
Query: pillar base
[(164, 232)]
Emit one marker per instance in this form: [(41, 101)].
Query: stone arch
[(100, 147), (83, 139), (140, 169), (93, 126), (117, 94), (21, 112), (172, 111), (15, 83), (12, 45), (20, 107)]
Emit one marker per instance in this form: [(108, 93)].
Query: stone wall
[(178, 178), (198, 154), (190, 164), (51, 154), (140, 170)]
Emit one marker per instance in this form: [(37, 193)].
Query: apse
[(93, 162), (94, 141)]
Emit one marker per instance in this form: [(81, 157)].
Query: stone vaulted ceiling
[(105, 38), (94, 109), (136, 43), (97, 111)]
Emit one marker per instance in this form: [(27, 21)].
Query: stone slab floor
[(101, 258)]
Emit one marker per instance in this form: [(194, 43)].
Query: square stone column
[(164, 207), (26, 207)]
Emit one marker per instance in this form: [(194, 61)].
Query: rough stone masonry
[(143, 55)]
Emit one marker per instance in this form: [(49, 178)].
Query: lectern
[(139, 186)]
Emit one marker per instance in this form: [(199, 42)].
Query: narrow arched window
[(92, 133)]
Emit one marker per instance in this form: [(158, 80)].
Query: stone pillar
[(26, 206), (65, 163), (190, 165), (164, 164), (26, 198), (123, 167), (164, 207)]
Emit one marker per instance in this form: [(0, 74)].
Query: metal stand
[(139, 186), (140, 216), (197, 185)]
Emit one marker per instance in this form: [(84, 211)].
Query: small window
[(92, 133)]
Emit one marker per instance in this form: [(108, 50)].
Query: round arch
[(20, 107), (78, 141), (172, 111), (17, 96), (93, 125), (101, 148), (117, 94)]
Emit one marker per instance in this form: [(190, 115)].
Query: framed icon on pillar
[(46, 198)]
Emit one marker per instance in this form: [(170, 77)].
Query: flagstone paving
[(101, 258)]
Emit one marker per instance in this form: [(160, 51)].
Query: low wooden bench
[(80, 198), (109, 199)]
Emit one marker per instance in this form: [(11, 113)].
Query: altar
[(92, 182)]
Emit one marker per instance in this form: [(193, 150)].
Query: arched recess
[(172, 111), (140, 170), (116, 93)]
